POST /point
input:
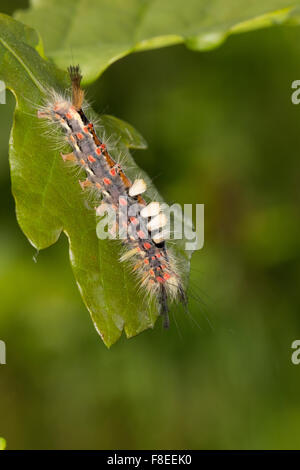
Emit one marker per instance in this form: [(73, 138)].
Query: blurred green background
[(222, 131)]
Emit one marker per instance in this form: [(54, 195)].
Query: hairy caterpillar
[(144, 244)]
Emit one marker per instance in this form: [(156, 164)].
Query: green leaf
[(96, 33), (2, 443), (49, 199)]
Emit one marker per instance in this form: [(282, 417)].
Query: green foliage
[(2, 443), (49, 199), (96, 33)]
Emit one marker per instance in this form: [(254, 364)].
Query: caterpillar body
[(144, 244)]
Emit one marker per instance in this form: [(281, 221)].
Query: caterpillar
[(144, 245)]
